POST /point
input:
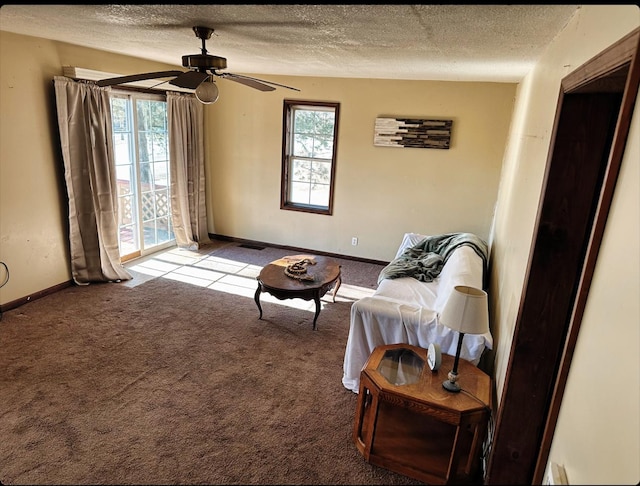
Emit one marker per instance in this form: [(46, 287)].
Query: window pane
[(162, 203), (142, 112), (148, 207), (149, 228), (300, 193), (119, 115), (161, 175), (321, 172), (144, 147), (126, 210), (146, 177), (158, 116), (128, 240), (324, 123), (304, 121), (164, 230), (303, 145), (323, 147), (301, 170), (124, 179), (122, 148), (319, 195), (157, 146)]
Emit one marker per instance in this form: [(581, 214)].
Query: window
[(310, 131), (141, 146)]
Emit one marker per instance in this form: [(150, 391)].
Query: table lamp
[(467, 312)]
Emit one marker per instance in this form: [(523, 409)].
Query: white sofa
[(406, 310)]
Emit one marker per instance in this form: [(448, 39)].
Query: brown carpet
[(171, 383)]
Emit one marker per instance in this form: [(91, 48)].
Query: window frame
[(289, 106)]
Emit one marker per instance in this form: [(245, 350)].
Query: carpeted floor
[(159, 381)]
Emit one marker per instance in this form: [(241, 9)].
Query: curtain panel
[(186, 149), (84, 120)]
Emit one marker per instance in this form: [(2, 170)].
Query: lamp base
[(451, 386), (452, 383)]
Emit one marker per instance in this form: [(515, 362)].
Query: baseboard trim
[(215, 236), (36, 295)]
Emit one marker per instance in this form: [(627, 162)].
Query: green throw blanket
[(425, 260)]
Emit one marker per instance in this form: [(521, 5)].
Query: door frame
[(525, 425)]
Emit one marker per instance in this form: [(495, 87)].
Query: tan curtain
[(84, 120), (186, 146)]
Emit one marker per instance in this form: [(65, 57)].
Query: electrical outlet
[(354, 241)]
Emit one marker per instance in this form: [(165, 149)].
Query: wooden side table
[(408, 423)]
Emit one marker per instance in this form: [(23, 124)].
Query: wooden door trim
[(511, 461), (623, 52), (618, 54)]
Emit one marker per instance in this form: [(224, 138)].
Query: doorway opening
[(593, 117)]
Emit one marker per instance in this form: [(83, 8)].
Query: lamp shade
[(207, 91), (466, 310)]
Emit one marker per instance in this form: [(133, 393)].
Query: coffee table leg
[(335, 289), (316, 298), (257, 299)]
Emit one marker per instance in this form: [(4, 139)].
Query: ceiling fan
[(203, 68)]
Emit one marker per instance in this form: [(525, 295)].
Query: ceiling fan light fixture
[(207, 91)]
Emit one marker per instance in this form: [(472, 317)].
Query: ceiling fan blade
[(189, 79), (260, 84), (247, 82), (137, 77)]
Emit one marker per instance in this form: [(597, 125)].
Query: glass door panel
[(142, 171)]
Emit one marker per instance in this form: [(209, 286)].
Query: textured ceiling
[(424, 42)]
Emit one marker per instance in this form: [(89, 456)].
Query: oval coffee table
[(325, 273)]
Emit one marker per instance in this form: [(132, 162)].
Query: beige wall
[(381, 192), (32, 219), (598, 433), (33, 204)]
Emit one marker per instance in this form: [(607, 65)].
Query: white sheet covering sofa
[(406, 310)]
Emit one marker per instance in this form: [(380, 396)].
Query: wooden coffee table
[(325, 273)]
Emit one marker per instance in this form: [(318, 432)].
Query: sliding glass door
[(141, 144)]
